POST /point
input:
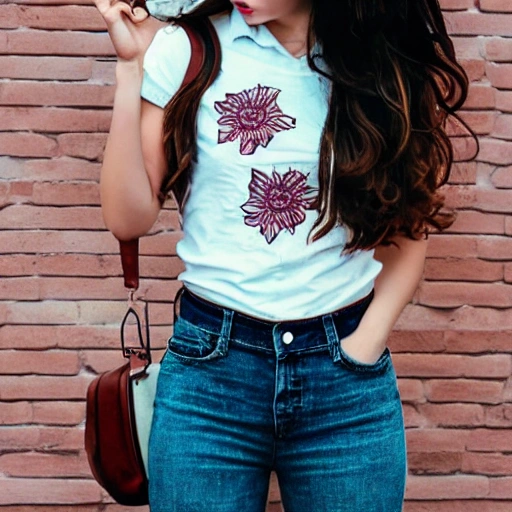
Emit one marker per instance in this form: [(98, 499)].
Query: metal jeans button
[(287, 338)]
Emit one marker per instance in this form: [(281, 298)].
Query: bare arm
[(134, 162), (394, 288)]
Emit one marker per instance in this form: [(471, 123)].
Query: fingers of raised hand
[(111, 11)]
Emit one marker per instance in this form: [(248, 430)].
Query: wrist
[(128, 70)]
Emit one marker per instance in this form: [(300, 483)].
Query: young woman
[(313, 178)]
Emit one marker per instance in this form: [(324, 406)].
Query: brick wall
[(61, 296)]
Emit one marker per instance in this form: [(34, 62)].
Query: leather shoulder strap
[(130, 249)]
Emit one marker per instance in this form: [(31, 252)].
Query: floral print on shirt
[(278, 202), (253, 116)]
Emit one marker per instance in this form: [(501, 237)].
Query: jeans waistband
[(297, 335)]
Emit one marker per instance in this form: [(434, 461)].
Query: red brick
[(41, 490), (502, 177), (54, 362), (475, 69), (478, 222), (508, 267), (467, 48), (27, 144), (498, 49), (503, 127), (107, 288), (421, 317), (46, 312), (451, 295), (479, 24), (480, 122), (56, 94), (411, 390), (40, 465), (456, 4), (494, 247), (495, 200), (463, 173), (464, 145), (31, 242), (55, 120), (504, 101), (58, 413), (463, 270), (499, 416), (464, 390), (480, 97), (434, 463), (475, 342), (87, 265), (412, 418), (40, 42), (48, 439), (436, 440), (456, 246), (99, 361), (52, 336), (500, 75), (61, 265), (62, 194), (14, 289), (45, 68), (44, 387), (82, 145), (501, 488), (443, 487), (440, 365), (495, 5), (495, 464), (483, 319), (416, 341), (66, 508), (488, 440), (14, 413), (495, 151), (472, 505), (69, 17), (47, 170), (452, 415), (33, 217)]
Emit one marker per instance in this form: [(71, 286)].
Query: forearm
[(129, 204), (394, 288)]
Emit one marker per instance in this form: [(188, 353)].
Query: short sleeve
[(165, 64)]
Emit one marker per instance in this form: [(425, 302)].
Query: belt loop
[(225, 332), (177, 303), (332, 337)]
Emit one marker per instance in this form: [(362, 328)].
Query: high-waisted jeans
[(238, 398)]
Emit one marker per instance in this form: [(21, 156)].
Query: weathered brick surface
[(61, 293)]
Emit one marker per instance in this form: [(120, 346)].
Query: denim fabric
[(238, 398)]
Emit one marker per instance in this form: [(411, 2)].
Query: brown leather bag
[(120, 402)]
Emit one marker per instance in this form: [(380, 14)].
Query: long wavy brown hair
[(384, 150)]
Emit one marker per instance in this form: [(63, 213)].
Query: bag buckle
[(135, 341)]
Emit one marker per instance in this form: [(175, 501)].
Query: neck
[(292, 31)]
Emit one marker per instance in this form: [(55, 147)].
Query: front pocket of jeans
[(191, 343), (357, 366)]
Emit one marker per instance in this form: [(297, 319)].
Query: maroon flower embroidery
[(278, 202), (252, 115)]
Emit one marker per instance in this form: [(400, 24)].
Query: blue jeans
[(238, 398)]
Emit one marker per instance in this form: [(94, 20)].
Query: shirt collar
[(260, 34)]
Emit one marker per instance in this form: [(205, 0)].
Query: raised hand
[(131, 29)]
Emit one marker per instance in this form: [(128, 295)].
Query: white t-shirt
[(247, 219)]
